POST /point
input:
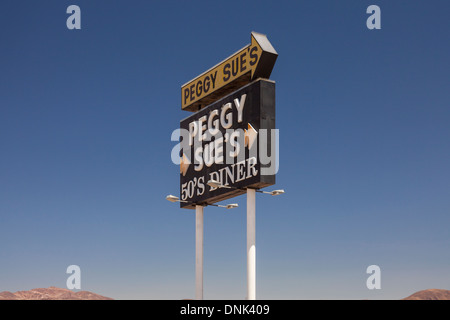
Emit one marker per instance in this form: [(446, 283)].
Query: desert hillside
[(51, 293), (54, 293), (430, 294)]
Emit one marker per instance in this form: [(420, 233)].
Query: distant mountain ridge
[(51, 293), (430, 294), (54, 293)]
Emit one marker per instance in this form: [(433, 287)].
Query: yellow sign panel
[(255, 60)]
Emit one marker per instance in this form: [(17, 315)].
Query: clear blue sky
[(86, 118)]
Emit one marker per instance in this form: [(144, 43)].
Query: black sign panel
[(230, 142)]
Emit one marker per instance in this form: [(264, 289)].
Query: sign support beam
[(198, 252), (251, 242)]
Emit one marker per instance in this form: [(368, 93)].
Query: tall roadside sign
[(230, 137), (229, 145)]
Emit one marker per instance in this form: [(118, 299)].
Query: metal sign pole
[(251, 239), (198, 252)]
